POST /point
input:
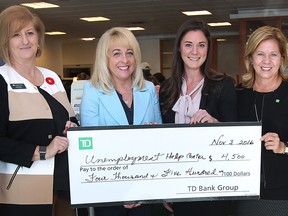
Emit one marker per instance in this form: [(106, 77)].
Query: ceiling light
[(258, 12), (94, 19), (88, 39), (196, 13), (221, 39), (40, 5), (135, 28), (219, 24), (55, 33)]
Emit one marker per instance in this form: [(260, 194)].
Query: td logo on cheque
[(85, 143)]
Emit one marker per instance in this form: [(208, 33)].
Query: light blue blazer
[(101, 109)]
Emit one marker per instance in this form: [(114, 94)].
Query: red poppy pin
[(50, 81)]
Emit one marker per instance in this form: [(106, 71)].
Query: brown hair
[(13, 19), (172, 90)]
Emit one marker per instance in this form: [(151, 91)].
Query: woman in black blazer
[(196, 94)]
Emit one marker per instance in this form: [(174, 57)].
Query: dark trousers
[(201, 208), (31, 210), (143, 210)]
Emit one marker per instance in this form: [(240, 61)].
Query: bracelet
[(42, 151)]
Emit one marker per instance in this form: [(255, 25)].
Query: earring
[(38, 47)]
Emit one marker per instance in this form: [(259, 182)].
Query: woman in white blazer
[(117, 94)]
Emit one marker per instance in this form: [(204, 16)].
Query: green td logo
[(85, 143)]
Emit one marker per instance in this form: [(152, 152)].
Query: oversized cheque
[(128, 164)]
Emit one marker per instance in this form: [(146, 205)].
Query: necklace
[(262, 107), (127, 97)]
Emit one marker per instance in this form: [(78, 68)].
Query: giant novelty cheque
[(157, 163)]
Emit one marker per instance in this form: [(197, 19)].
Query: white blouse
[(186, 106)]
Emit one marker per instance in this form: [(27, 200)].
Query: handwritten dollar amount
[(228, 157)]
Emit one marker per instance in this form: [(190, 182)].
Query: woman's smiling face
[(266, 59), (194, 49), (23, 44), (121, 62)]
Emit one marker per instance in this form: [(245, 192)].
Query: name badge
[(18, 86)]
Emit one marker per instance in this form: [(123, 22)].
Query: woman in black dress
[(263, 97)]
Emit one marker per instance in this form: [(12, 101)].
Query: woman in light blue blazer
[(117, 94)]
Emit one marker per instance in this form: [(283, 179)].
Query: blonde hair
[(101, 76), (13, 19), (258, 36)]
